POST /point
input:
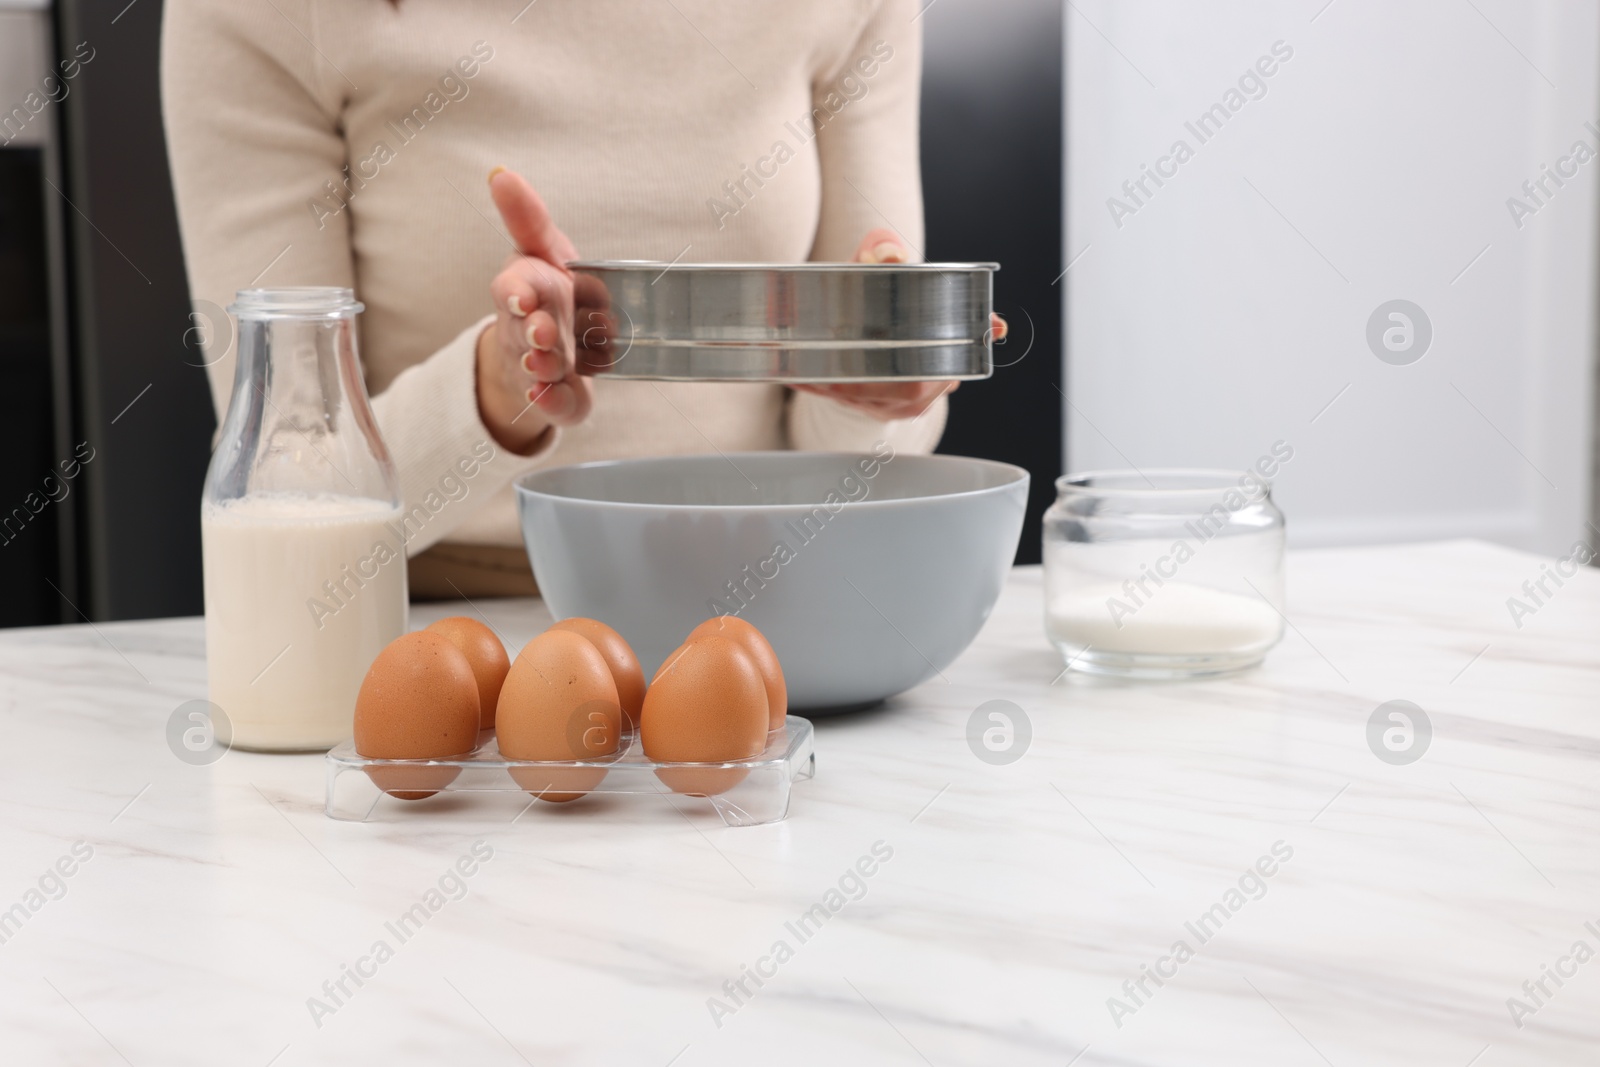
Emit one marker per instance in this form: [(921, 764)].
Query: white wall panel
[(1231, 307)]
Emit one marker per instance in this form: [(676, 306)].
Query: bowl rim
[(1017, 476)]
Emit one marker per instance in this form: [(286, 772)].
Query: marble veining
[(1013, 913)]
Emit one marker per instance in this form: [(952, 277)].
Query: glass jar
[(304, 553), (1163, 573)]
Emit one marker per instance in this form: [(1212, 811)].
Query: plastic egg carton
[(747, 792)]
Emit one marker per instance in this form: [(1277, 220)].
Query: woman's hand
[(891, 400), (527, 378)]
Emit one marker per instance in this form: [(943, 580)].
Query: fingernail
[(493, 172), (527, 362), (514, 302), (888, 252), (533, 340)]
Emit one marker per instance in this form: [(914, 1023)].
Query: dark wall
[(30, 486), (141, 529), (991, 175)]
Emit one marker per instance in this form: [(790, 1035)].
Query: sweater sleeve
[(253, 105), (871, 178)]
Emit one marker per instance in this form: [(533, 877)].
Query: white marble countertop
[(1015, 901)]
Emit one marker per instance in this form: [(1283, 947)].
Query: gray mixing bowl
[(869, 573)]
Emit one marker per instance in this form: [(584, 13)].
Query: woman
[(346, 143)]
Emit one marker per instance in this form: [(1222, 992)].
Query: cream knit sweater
[(346, 142)]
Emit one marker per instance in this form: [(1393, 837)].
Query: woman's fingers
[(535, 304), (544, 357), (564, 402), (526, 284), (594, 328), (534, 334), (527, 219), (536, 366), (885, 246), (526, 360), (513, 294), (532, 309), (882, 246)]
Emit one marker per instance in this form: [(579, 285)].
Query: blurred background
[(1170, 306), (102, 359), (1234, 305), (99, 347)]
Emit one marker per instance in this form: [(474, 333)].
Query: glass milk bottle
[(305, 575)]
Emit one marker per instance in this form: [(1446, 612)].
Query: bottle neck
[(299, 420), (294, 371)]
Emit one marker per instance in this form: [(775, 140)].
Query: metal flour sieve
[(810, 322)]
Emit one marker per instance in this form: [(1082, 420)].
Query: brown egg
[(766, 660), (624, 665), (668, 662), (419, 700), (559, 703), (708, 704), (485, 654)]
